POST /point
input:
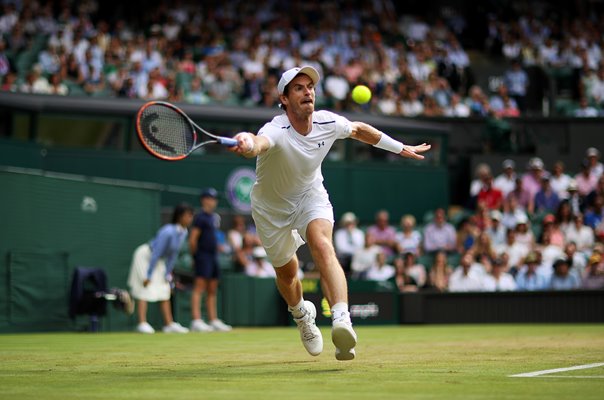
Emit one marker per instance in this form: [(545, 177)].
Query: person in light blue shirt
[(528, 278), (150, 278), (517, 82), (562, 279)]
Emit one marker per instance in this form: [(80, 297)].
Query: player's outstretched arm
[(249, 145), (370, 135)]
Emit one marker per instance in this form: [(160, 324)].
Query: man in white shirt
[(506, 182), (465, 278), (348, 239), (498, 280), (380, 270), (290, 204)]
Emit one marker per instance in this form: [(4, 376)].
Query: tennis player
[(290, 205)]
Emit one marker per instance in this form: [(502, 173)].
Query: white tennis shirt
[(291, 167)]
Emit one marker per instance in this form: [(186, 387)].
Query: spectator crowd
[(534, 230), (233, 52)]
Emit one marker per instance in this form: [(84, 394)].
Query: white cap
[(535, 163), (521, 219), (496, 214), (509, 164), (290, 74), (259, 252), (348, 217), (592, 152)]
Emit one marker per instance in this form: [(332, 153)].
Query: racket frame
[(226, 141)]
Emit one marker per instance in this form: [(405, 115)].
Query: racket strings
[(166, 132)]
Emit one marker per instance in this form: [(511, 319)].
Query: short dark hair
[(285, 93), (180, 210)]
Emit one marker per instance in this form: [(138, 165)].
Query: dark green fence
[(50, 225)]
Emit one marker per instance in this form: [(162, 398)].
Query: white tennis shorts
[(158, 288), (282, 234)]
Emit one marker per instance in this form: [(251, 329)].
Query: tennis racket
[(169, 134)]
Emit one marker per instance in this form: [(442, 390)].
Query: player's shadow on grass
[(314, 366)]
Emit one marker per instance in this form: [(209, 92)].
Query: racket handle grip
[(227, 141)]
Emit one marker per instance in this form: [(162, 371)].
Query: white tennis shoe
[(219, 326), (344, 338), (309, 332), (198, 325), (144, 327), (175, 327)]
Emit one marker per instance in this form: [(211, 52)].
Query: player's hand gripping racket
[(168, 133)]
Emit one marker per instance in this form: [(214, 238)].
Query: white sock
[(339, 310), (298, 311)]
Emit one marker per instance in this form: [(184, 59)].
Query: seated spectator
[(465, 278), (416, 271), (483, 247), (348, 239), (593, 279), (457, 108), (599, 190), (439, 234), (521, 197), (517, 82), (506, 181), (364, 258), (440, 272), (499, 280), (531, 180), (549, 253), (402, 279), (482, 176), (259, 266), (528, 278), (195, 94), (409, 239), (575, 200), (550, 226), (593, 158), (585, 110), (515, 251), (581, 234), (467, 232), (559, 180), (490, 196), (383, 233), (495, 229), (478, 102), (511, 212), (594, 216), (380, 270), (242, 241), (524, 233), (577, 260), (562, 279), (546, 200), (586, 181)]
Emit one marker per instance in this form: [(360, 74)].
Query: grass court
[(393, 362)]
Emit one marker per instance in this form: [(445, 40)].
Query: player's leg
[(281, 244), (288, 283), (304, 312), (333, 280), (319, 233)]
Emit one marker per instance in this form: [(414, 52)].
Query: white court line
[(575, 376), (553, 371)]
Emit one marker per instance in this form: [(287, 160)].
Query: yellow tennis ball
[(361, 94)]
